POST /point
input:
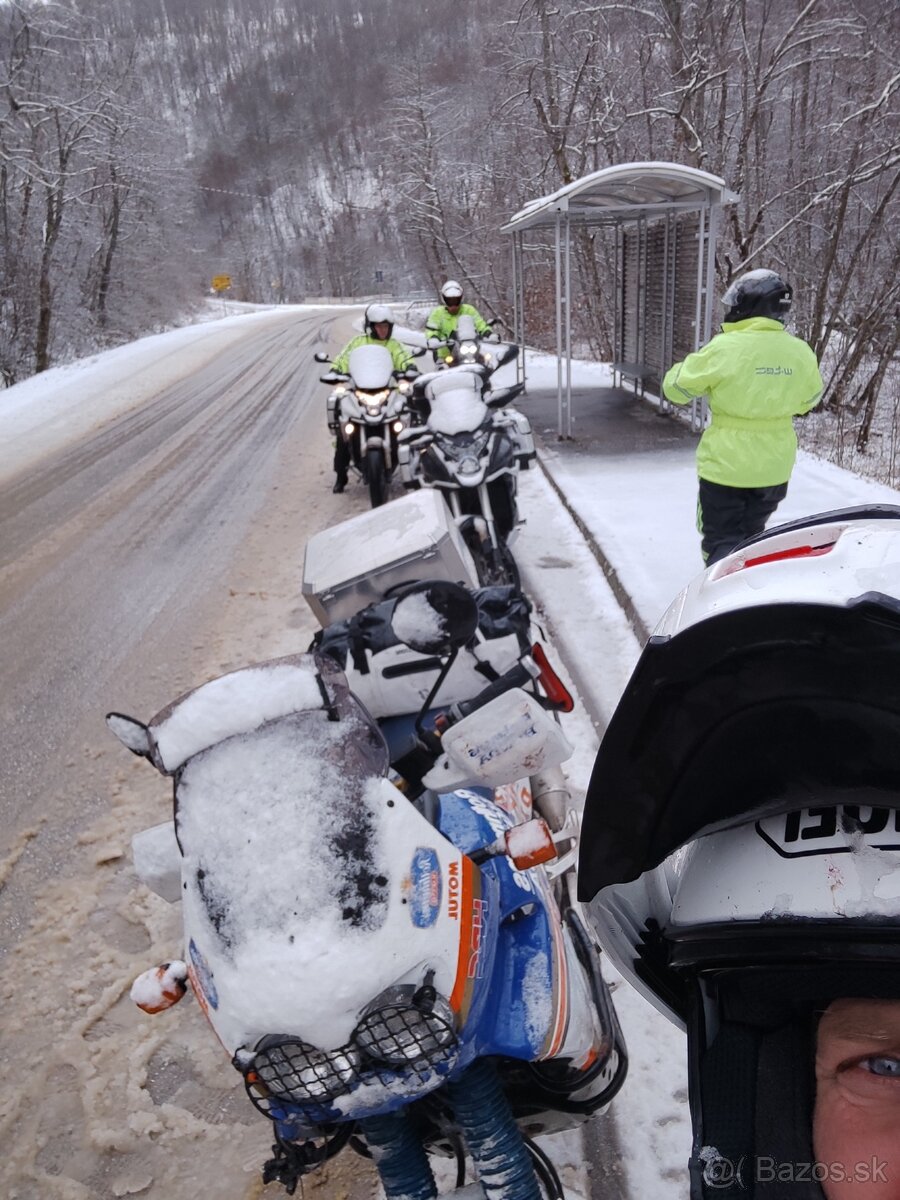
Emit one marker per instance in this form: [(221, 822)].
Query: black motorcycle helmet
[(757, 294)]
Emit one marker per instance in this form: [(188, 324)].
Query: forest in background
[(335, 148)]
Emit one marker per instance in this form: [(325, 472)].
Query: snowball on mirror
[(434, 616), (417, 623)]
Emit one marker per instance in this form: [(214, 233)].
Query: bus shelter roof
[(622, 192)]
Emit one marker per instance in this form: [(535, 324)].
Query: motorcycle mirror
[(435, 617), (417, 353), (503, 396), (333, 377), (131, 733), (321, 356)]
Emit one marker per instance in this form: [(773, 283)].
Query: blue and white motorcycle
[(383, 936)]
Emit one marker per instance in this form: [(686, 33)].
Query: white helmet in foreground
[(378, 314), (740, 853)]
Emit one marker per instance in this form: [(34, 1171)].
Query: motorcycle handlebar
[(522, 673)]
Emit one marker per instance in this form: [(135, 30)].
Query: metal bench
[(637, 372)]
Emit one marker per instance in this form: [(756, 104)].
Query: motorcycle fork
[(487, 512), (384, 434)]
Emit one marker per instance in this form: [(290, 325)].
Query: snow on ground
[(41, 414), (648, 535)]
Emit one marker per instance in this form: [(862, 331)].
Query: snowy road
[(151, 539), (159, 548)]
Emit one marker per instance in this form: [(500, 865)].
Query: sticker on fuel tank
[(424, 888), (812, 831), (202, 976)]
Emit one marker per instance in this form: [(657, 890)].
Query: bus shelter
[(665, 218)]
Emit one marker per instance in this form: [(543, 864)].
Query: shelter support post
[(519, 305)]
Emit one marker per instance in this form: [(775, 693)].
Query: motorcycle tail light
[(556, 691)]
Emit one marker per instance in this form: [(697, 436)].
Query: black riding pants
[(728, 515), (341, 458)]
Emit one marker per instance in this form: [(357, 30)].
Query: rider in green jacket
[(756, 377), (442, 321), (378, 323)]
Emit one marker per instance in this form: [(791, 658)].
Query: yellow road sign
[(221, 283)]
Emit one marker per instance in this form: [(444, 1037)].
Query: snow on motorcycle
[(740, 852), (471, 448), (392, 957), (467, 347), (367, 409)]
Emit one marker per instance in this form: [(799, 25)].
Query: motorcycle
[(367, 408), (470, 447), (467, 348), (386, 941)]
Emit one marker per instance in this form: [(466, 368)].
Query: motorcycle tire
[(376, 477)]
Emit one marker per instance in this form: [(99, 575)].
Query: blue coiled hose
[(493, 1139), (400, 1157)]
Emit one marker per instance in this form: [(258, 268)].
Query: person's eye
[(884, 1066)]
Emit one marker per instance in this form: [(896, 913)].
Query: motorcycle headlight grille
[(291, 1070), (462, 446), (403, 1035)]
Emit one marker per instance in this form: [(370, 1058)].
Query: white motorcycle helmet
[(376, 314), (740, 852), (451, 292)]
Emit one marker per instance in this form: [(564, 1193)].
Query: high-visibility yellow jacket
[(441, 322), (756, 377), (400, 356)]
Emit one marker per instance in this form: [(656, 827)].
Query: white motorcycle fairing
[(456, 403), (282, 936)]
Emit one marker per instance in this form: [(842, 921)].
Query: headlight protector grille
[(405, 1033)]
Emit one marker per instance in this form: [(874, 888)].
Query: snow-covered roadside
[(42, 414)]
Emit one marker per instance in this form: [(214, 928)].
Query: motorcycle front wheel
[(376, 477), (494, 566)]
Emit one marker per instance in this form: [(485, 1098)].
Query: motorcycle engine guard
[(508, 739)]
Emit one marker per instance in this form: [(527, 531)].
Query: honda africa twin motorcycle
[(367, 408), (382, 953), (471, 448), (740, 852)]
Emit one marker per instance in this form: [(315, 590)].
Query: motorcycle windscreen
[(297, 856), (465, 329), (456, 403), (748, 714), (371, 367)]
